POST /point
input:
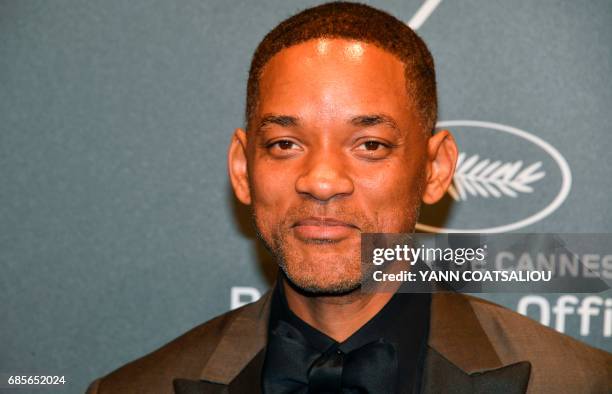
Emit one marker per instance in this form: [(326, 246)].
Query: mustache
[(332, 215)]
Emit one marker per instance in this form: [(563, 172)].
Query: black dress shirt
[(403, 322)]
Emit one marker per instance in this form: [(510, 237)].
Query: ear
[(237, 165), (441, 160)]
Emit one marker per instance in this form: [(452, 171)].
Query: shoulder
[(552, 354), (183, 357), (505, 326)]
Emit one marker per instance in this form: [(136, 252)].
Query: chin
[(316, 267), (319, 275)]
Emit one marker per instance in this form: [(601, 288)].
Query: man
[(341, 105)]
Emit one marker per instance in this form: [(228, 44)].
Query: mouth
[(323, 229)]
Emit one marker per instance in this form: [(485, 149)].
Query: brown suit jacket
[(474, 346)]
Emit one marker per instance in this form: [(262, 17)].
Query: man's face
[(336, 148)]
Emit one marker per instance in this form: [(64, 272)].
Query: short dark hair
[(359, 22)]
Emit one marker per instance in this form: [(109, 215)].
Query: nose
[(325, 177)]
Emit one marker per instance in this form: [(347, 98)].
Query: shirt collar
[(403, 321)]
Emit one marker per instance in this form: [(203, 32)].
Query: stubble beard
[(300, 271), (304, 276), (335, 274)]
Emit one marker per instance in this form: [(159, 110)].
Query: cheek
[(271, 190), (391, 195)]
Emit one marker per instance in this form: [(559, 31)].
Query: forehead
[(333, 77)]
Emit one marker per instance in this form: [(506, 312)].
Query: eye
[(372, 145), (283, 144), (373, 149), (283, 148)]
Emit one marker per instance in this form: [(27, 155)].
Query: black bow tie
[(292, 366)]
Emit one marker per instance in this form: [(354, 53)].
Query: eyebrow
[(280, 120), (358, 121), (374, 120)]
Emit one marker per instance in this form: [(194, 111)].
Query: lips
[(323, 228)]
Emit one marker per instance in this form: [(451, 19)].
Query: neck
[(336, 316)]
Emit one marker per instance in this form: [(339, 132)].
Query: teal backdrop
[(118, 228)]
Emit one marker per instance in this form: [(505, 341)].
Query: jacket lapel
[(442, 376), (456, 334), (236, 363), (460, 358), (186, 386), (247, 381)]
